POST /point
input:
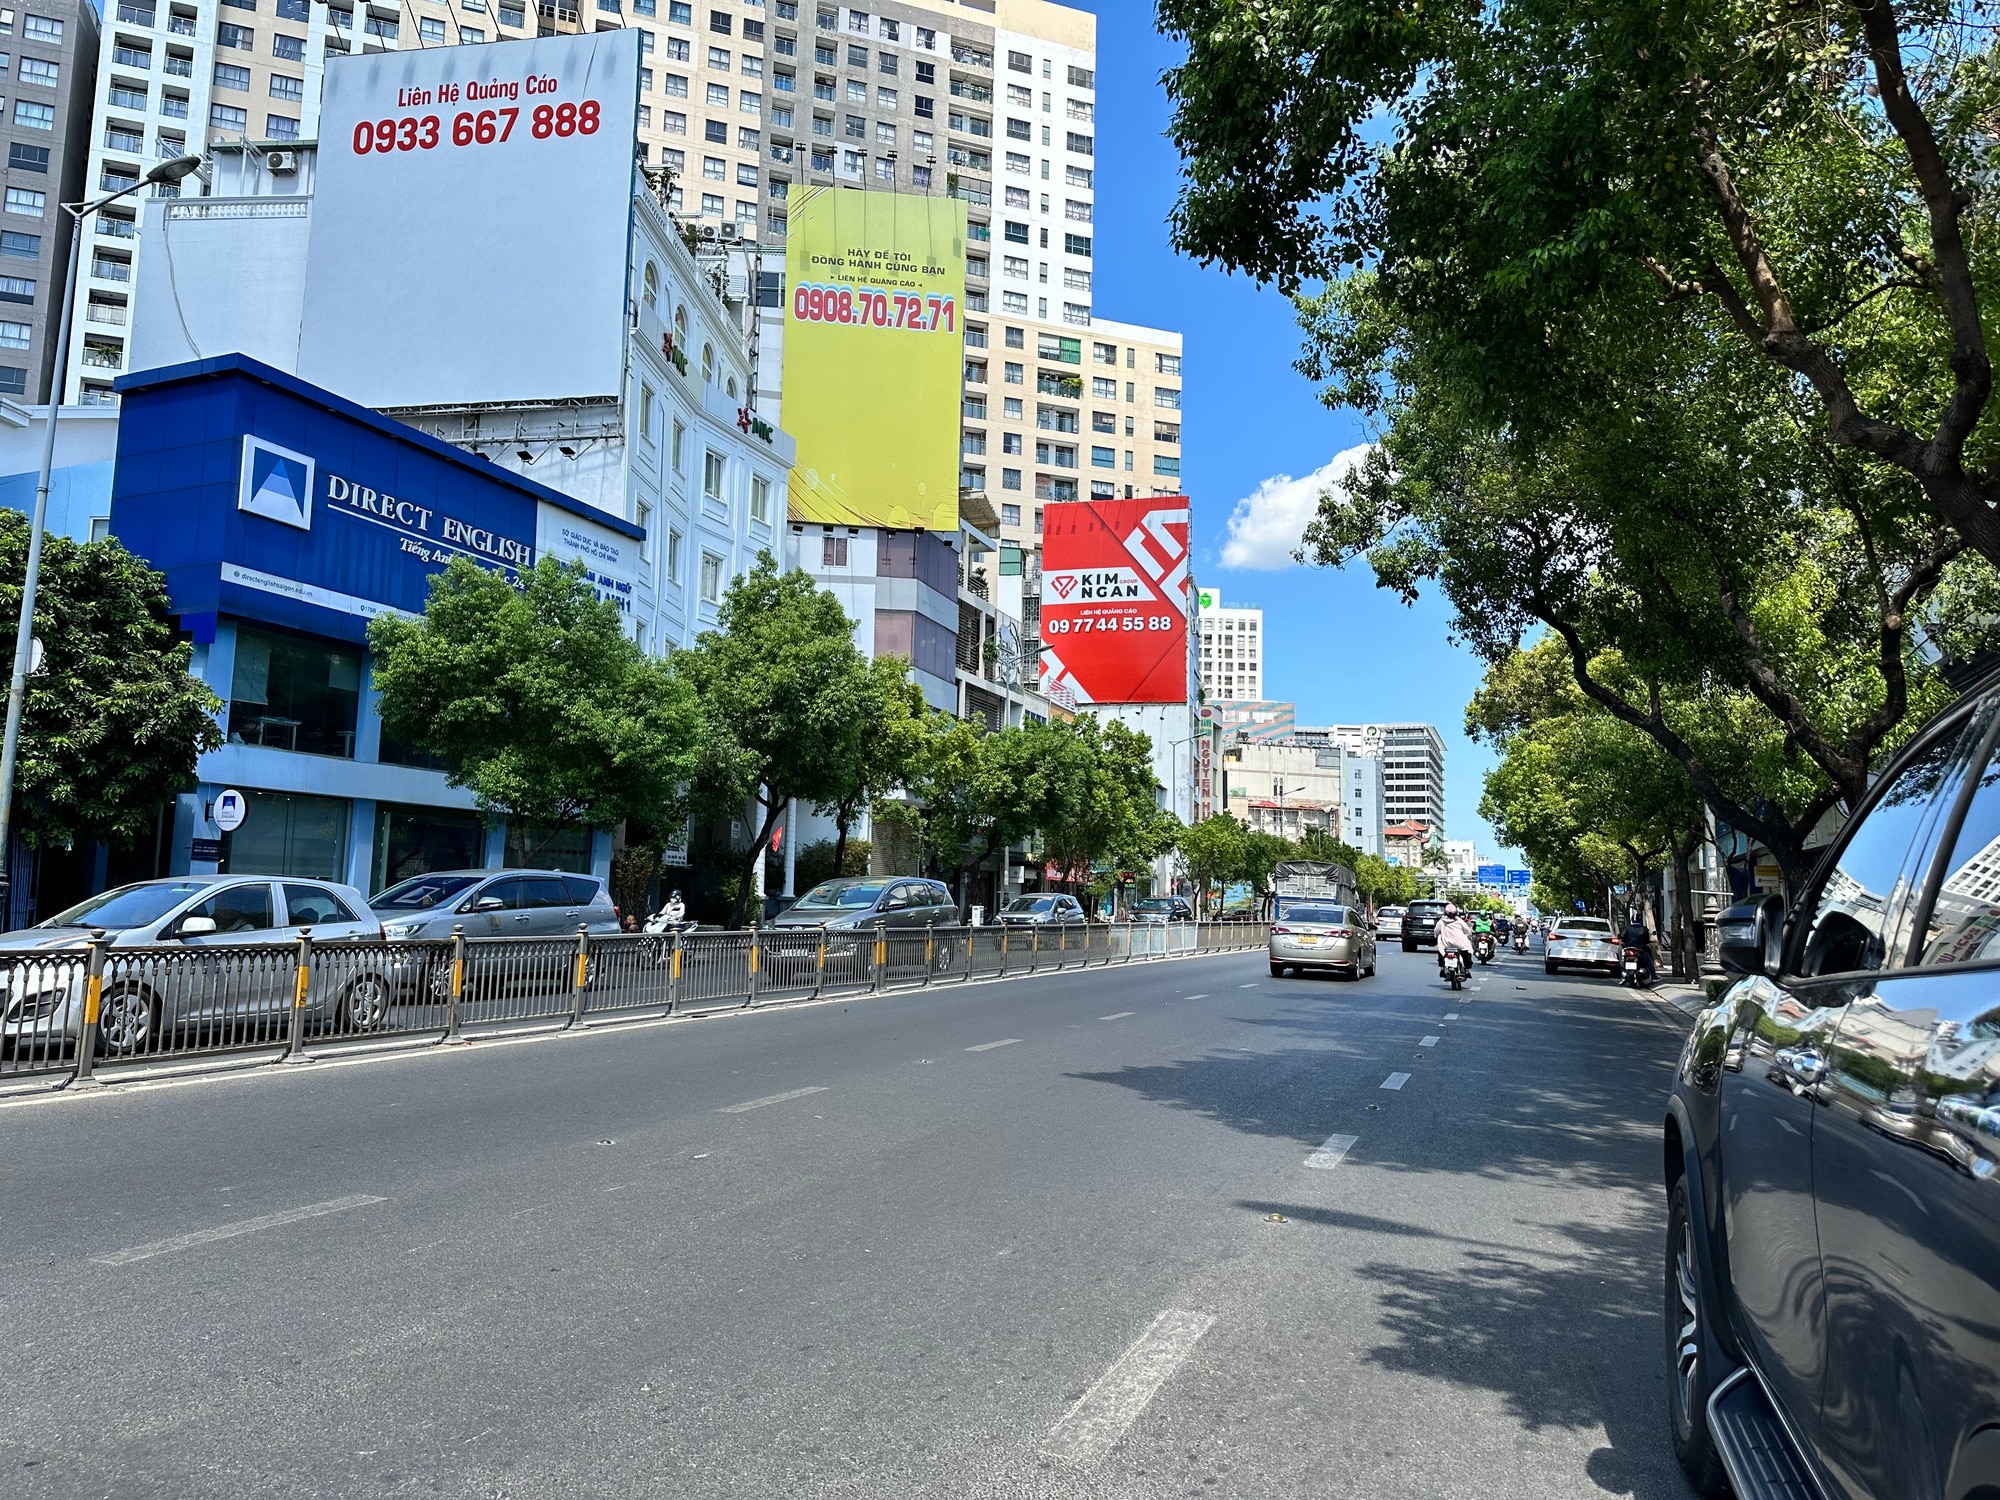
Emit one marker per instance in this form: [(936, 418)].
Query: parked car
[(202, 917), (487, 904), (1580, 943), (1832, 1286), (1163, 909), (1420, 924), (1389, 923), (850, 908), (1335, 938), (1041, 910)]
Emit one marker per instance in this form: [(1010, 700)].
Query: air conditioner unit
[(281, 163), (709, 231)]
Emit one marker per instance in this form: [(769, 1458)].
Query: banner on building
[(472, 222), (873, 351), (1115, 600)]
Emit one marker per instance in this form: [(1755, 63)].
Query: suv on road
[(1420, 925), (1832, 1159), (487, 904)]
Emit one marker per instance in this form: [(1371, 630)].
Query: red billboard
[(1115, 600)]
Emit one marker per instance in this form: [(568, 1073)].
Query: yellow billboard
[(874, 345)]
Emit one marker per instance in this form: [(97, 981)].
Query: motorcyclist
[(1636, 935), (1454, 933), (1520, 934), (674, 912)]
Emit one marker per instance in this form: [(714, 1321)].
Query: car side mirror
[(195, 927), (488, 903), (1755, 945)]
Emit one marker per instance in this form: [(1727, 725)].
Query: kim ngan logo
[(276, 483)]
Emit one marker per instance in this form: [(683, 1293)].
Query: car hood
[(28, 939)]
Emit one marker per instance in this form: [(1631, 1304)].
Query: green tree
[(980, 792), (1101, 802), (1212, 853), (549, 713), (890, 738), (1802, 185), (112, 723), (783, 698)]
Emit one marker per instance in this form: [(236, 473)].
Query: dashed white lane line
[(1118, 1015), (749, 1104), (231, 1231), (989, 1046), (1395, 1080), (1451, 1015), (1091, 1428), (1250, 986), (1328, 1156), (1202, 996), (1430, 1041)]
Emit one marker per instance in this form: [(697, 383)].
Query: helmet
[(1450, 909)]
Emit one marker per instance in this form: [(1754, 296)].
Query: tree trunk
[(1687, 953), (842, 814), (745, 870)]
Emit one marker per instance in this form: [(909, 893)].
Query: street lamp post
[(24, 634), (1278, 791)]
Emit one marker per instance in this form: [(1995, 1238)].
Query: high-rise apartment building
[(44, 123), (174, 76), (1232, 650), (1412, 758)]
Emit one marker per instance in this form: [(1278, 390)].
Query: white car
[(1581, 943), (1389, 923)]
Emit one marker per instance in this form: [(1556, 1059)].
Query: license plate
[(1308, 942)]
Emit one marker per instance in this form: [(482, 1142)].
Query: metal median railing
[(97, 1006)]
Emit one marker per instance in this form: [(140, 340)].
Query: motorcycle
[(1456, 969), (1482, 946), (661, 929), (1629, 966), (1521, 940)]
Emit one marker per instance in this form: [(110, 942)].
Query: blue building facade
[(285, 519)]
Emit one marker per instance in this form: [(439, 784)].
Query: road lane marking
[(1250, 986), (1328, 1156), (1430, 1041), (230, 1231), (1202, 996), (989, 1046), (1118, 1015), (1451, 1015), (1395, 1080), (749, 1104), (1091, 1428)]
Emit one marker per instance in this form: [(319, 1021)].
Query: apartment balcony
[(135, 15), (179, 67), (112, 313), (117, 229), (966, 88), (111, 270), (92, 395), (180, 25), (103, 356)]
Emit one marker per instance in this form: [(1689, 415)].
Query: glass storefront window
[(285, 833), (415, 840), (396, 752), (292, 692), (529, 847)]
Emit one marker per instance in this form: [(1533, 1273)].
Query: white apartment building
[(1232, 650), (678, 453), (1412, 758), (180, 76)]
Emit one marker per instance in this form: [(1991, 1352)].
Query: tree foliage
[(550, 715), (1804, 187), (112, 724), (783, 703)]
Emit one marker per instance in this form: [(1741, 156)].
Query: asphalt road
[(1097, 1234)]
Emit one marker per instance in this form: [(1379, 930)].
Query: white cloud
[(1265, 527)]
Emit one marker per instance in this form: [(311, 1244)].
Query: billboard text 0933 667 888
[(1115, 600), (873, 352)]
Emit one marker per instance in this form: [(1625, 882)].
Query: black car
[(1832, 1159), (1420, 925)]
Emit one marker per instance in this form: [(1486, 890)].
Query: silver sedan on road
[(1337, 938)]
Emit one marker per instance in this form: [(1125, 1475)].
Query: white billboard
[(471, 221)]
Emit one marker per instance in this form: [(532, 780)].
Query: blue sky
[(1337, 646)]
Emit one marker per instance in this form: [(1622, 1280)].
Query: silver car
[(1389, 923), (1336, 938), (487, 904), (203, 969)]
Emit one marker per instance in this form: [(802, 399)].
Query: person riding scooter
[(1636, 935), (1484, 944), (1520, 934), (1454, 935)]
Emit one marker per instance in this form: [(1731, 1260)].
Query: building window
[(20, 246), (711, 476), (34, 116), (228, 117), (646, 409), (673, 555), (25, 158), (643, 517), (294, 693), (760, 499), (27, 201), (42, 29), (430, 31), (711, 578), (36, 70), (680, 436), (16, 335), (290, 48), (1168, 397), (241, 37), (235, 79), (1167, 465), (1077, 244), (281, 127), (833, 550)]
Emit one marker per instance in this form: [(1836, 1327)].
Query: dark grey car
[(1832, 1160), (851, 908), (428, 908)]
